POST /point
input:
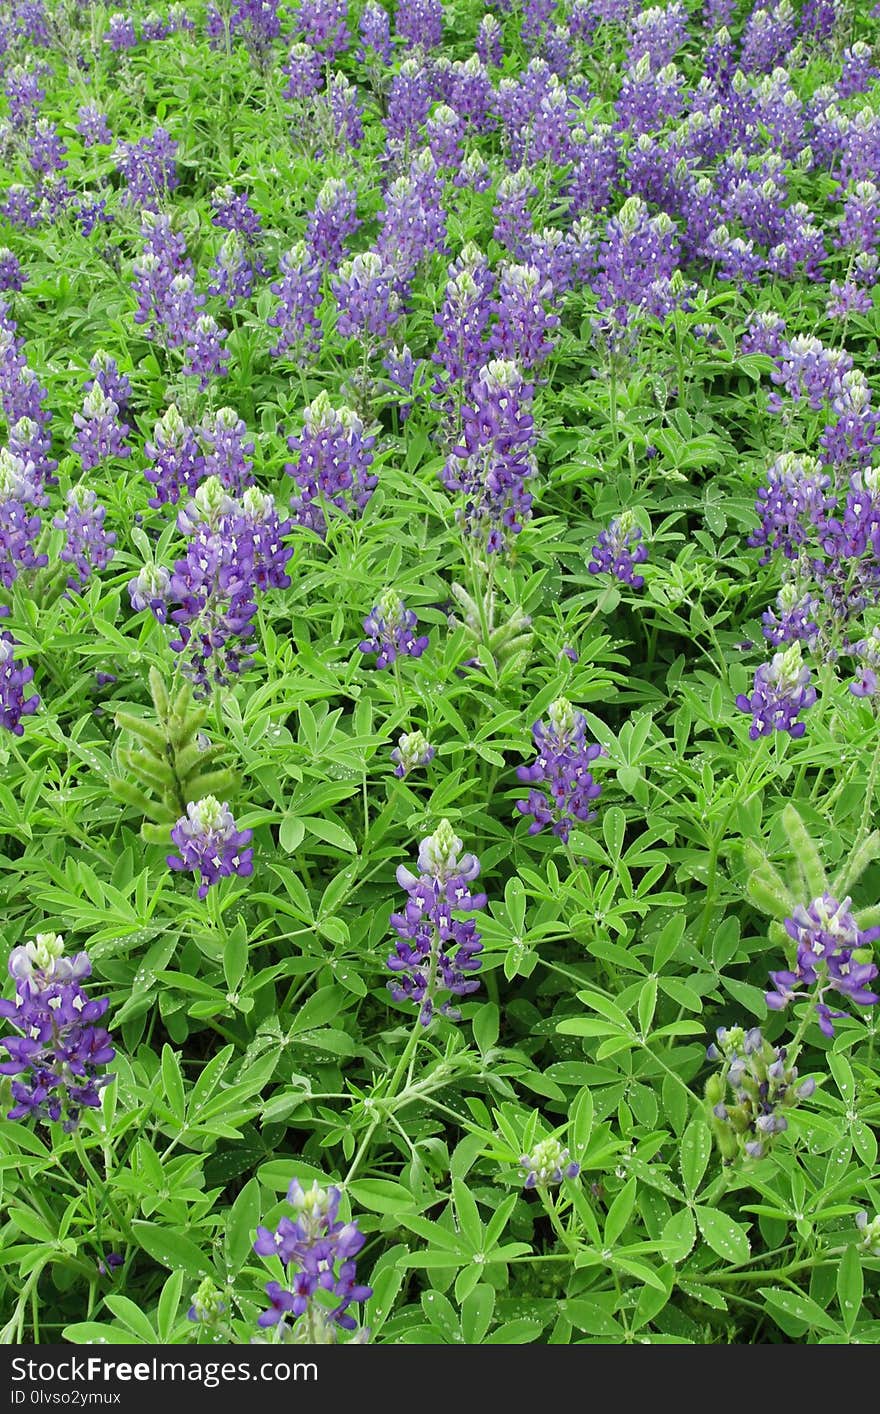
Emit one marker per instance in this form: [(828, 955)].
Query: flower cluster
[(333, 466), (318, 1253), (390, 631), (495, 461), (562, 769), (748, 1100), (833, 955), (210, 843), (618, 551), (60, 1052), (88, 546), (781, 691), (14, 677), (436, 952), (412, 750), (547, 1164)]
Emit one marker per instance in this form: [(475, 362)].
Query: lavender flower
[(60, 1051), (177, 463), (100, 435), (436, 952), (412, 750), (88, 546), (150, 589), (747, 1101), (333, 219), (228, 451), (547, 1164), (781, 691), (619, 549), (333, 466), (495, 461), (317, 1251), (13, 679), (299, 295), (369, 305), (390, 631), (210, 843), (832, 955), (562, 769)]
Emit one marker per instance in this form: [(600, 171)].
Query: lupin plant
[(172, 764), (536, 345)]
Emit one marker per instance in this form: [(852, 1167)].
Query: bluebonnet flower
[(227, 448), (299, 295), (59, 1054), (231, 277), (793, 498), (748, 1100), (13, 680), (374, 28), (121, 33), (462, 320), (332, 220), (411, 751), (619, 549), (495, 461), (148, 168), (210, 843), (19, 528), (522, 318), (490, 44), (366, 293), (11, 275), (867, 653), (781, 691), (419, 23), (206, 357), (106, 376), (87, 546), (177, 461), (318, 1253), (561, 768), (305, 73), (92, 125), (150, 589), (233, 212), (795, 616), (401, 368), (436, 952), (99, 433), (869, 1233), (333, 466), (547, 1164), (208, 1305), (390, 631), (832, 956)]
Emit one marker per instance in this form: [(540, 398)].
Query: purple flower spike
[(210, 843), (317, 1250), (832, 955), (780, 693), (60, 1051), (562, 768), (435, 951), (389, 629), (13, 679), (619, 549), (547, 1165)]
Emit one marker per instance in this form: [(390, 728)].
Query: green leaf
[(723, 1235), (620, 1212), (647, 1003), (486, 1026), (850, 1287), (797, 1306), (519, 1332), (133, 1318), (172, 1249), (172, 1084), (331, 833), (468, 1215), (291, 832), (241, 1225), (695, 1151), (169, 1304)]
